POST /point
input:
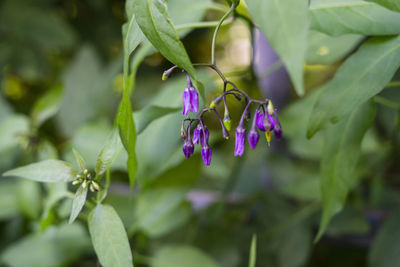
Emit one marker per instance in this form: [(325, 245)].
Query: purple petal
[(272, 121), (188, 148), (194, 100), (196, 134), (203, 140), (206, 155), (239, 141), (260, 120), (186, 101), (278, 131), (253, 138)]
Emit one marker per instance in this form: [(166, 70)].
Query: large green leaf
[(29, 198), (57, 246), (181, 256), (362, 76), (107, 153), (385, 248), (45, 171), (337, 17), (47, 106), (390, 4), (109, 237), (8, 199), (341, 152), (150, 113), (285, 24), (11, 130), (78, 203), (152, 17)]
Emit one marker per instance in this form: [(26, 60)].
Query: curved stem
[(216, 32), (199, 25)]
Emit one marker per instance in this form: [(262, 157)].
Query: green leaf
[(361, 76), (107, 154), (50, 171), (384, 251), (79, 160), (152, 17), (325, 49), (353, 16), (109, 237), (11, 130), (253, 251), (285, 24), (8, 199), (181, 256), (341, 152), (78, 203), (47, 106), (150, 113), (127, 132), (390, 4), (29, 198), (57, 246)]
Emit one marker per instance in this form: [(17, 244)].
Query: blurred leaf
[(337, 17), (295, 242), (159, 211), (339, 161), (11, 130), (47, 106), (78, 203), (79, 160), (350, 221), (324, 49), (109, 237), (390, 4), (45, 171), (29, 198), (132, 35), (57, 246), (285, 24), (87, 91), (108, 153), (152, 17), (253, 251), (55, 193), (385, 247), (46, 150), (8, 199), (181, 256), (148, 114), (361, 76), (5, 109)]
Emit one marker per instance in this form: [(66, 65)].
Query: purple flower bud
[(188, 148), (194, 100), (196, 134), (260, 120), (278, 131), (239, 140), (253, 138), (271, 121), (186, 101), (206, 154), (203, 140)]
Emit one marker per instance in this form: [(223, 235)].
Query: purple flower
[(278, 131), (253, 137), (206, 154), (186, 101), (239, 140), (188, 148), (272, 121), (260, 120), (194, 100), (199, 136)]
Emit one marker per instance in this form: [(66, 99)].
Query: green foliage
[(109, 237), (78, 202), (285, 24), (390, 4)]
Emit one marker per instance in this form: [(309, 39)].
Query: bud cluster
[(86, 180), (265, 119)]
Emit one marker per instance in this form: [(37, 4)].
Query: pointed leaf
[(353, 16), (50, 171), (79, 160), (361, 76), (152, 17), (339, 161), (253, 251), (109, 237), (390, 4), (47, 106), (150, 113), (78, 203), (107, 154), (285, 24)]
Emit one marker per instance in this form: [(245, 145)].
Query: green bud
[(91, 187), (77, 181), (95, 186), (270, 107), (212, 104), (227, 122), (164, 77), (183, 132), (84, 184), (85, 172)]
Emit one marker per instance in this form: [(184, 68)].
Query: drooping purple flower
[(239, 140), (196, 134), (204, 140), (253, 137), (272, 121), (186, 101), (206, 154), (277, 128), (259, 117), (194, 100), (188, 148)]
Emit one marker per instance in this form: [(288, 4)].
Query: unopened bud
[(270, 107), (227, 122), (225, 133), (85, 172), (76, 182), (183, 132), (96, 186), (212, 104), (84, 184), (91, 187)]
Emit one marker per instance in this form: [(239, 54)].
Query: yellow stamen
[(268, 136)]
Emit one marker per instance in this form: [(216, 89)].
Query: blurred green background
[(69, 53)]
